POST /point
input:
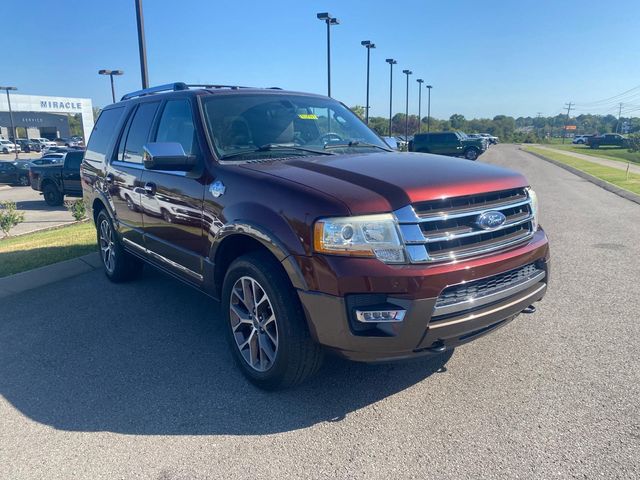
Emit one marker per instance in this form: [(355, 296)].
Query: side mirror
[(167, 156)]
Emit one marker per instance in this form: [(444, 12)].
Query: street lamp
[(329, 20), (391, 63), (420, 82), (429, 87), (111, 73), (368, 45), (406, 114), (13, 128)]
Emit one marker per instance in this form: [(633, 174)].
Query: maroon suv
[(313, 234)]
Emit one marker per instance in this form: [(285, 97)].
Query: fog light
[(379, 316)]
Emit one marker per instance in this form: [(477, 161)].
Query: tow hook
[(529, 309), (438, 347)]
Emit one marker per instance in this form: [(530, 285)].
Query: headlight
[(364, 236), (534, 207)]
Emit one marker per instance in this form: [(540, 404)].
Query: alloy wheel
[(253, 324), (107, 249)]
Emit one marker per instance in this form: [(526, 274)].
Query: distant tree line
[(508, 129)]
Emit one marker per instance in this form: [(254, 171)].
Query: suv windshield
[(282, 125)]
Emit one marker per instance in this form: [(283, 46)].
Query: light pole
[(429, 87), (13, 128), (391, 63), (111, 73), (368, 45), (420, 82), (329, 20), (142, 47), (406, 110)]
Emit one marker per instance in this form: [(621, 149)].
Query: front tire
[(119, 265), (24, 181), (471, 154), (266, 327)]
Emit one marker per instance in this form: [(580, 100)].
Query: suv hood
[(385, 181)]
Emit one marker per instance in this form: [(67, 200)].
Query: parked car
[(392, 142), (7, 146), (607, 140), (48, 159), (313, 241), (68, 142), (455, 144), (55, 149), (581, 139), (27, 145), (59, 179), (14, 173), (491, 139)]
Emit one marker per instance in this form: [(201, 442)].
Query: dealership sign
[(55, 105)]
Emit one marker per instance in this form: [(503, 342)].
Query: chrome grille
[(446, 229), (476, 293)]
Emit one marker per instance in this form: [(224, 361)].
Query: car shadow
[(149, 357), (38, 205)]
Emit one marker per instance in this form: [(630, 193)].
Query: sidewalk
[(620, 165)]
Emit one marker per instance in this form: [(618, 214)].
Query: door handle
[(150, 188), (109, 178)]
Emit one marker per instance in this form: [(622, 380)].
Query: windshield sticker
[(308, 116)]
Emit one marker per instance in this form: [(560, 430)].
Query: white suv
[(7, 146)]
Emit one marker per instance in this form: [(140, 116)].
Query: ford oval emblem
[(490, 220)]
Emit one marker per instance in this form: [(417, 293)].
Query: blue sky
[(513, 57)]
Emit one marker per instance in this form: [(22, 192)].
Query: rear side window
[(138, 132), (176, 125), (103, 132), (73, 160)]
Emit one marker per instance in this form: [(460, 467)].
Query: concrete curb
[(621, 192), (38, 277)]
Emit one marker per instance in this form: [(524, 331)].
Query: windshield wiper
[(355, 143), (270, 147)]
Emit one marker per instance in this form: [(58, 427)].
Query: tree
[(359, 110), (9, 216), (458, 122)]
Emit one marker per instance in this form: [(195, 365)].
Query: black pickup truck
[(58, 179), (607, 140)]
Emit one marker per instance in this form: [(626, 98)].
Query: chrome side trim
[(473, 316), (163, 259), (492, 297)]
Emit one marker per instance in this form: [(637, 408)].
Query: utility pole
[(539, 129), (619, 113), (142, 47), (569, 107)]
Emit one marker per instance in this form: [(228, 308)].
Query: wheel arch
[(241, 238)]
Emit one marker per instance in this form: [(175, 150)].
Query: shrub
[(633, 142), (77, 209), (9, 216)]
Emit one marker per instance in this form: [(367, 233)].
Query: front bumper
[(415, 288)]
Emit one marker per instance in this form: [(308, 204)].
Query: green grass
[(33, 250), (612, 175), (610, 153)]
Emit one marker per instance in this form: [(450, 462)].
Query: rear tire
[(471, 154), (265, 324), (119, 265), (52, 195)]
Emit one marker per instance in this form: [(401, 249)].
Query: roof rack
[(177, 86), (169, 87)]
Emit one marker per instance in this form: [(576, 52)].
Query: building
[(44, 117)]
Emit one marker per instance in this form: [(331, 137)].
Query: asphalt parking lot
[(37, 214), (107, 381)]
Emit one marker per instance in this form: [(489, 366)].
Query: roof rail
[(169, 87), (208, 85)]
